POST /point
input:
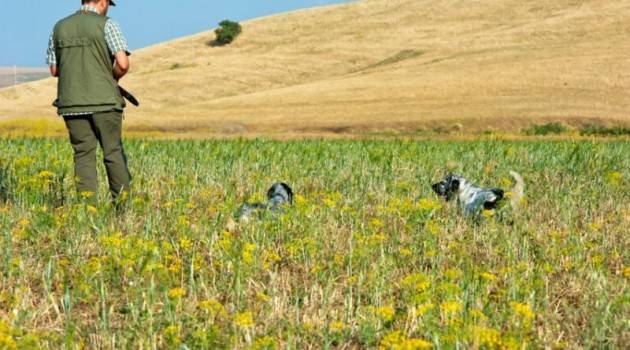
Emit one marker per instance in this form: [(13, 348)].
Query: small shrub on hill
[(227, 32), (600, 130), (552, 128)]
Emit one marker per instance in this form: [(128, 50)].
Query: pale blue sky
[(26, 24)]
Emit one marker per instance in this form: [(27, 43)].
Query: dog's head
[(448, 187), (280, 193)]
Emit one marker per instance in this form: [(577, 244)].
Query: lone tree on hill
[(227, 32)]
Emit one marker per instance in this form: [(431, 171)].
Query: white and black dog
[(279, 195), (472, 198)]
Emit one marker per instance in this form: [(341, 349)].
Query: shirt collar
[(89, 8)]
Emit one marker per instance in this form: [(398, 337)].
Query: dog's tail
[(518, 190)]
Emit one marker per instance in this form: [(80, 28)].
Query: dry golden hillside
[(382, 65)]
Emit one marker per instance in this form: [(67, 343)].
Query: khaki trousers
[(86, 131)]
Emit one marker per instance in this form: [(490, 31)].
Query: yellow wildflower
[(433, 227), (626, 272), (615, 178), (270, 257), (171, 334), (185, 244), (262, 297), (7, 341), (247, 254), (45, 174), (405, 252), (376, 239), (416, 281), (176, 293), (352, 280), (300, 200), (488, 276), (225, 242), (377, 223), (506, 182), (213, 307), (336, 326), (429, 205), (176, 264), (386, 313), (416, 344), (113, 241), (244, 319), (124, 195), (86, 195), (392, 340), (453, 274), (487, 337), (138, 201), (478, 314), (339, 259), (329, 202), (91, 209), (451, 307), (316, 268), (24, 162), (487, 213), (597, 259), (265, 343), (522, 311), (396, 340), (421, 309), (183, 220)]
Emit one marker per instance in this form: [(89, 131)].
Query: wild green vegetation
[(367, 257), (556, 128), (600, 130), (551, 128), (227, 32)]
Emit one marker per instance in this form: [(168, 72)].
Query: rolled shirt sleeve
[(51, 56), (114, 37)]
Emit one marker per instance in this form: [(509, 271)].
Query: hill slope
[(395, 64)]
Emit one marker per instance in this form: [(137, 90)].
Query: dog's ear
[(289, 192), (454, 184), (498, 192)]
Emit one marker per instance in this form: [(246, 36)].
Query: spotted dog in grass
[(472, 198), (279, 195)]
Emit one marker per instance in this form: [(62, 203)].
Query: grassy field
[(367, 257)]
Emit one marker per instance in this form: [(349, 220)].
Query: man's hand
[(54, 71), (121, 67)]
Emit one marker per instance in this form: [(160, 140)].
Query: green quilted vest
[(86, 79)]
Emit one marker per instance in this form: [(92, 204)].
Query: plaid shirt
[(114, 37)]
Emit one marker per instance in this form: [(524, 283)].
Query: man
[(88, 54)]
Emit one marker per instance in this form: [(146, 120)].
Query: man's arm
[(51, 58), (121, 67), (117, 45)]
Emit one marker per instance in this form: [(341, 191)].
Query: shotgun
[(128, 96)]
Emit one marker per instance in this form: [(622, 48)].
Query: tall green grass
[(367, 257)]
